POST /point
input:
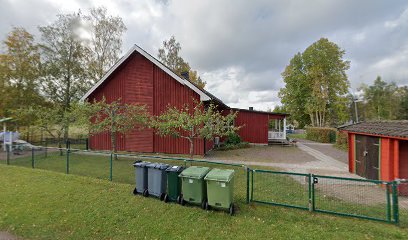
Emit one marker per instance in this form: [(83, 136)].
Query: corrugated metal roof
[(384, 128)]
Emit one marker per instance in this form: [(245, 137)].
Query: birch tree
[(169, 54), (316, 84), (105, 43)]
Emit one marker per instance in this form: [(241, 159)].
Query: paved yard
[(306, 157), (268, 154), (327, 149)]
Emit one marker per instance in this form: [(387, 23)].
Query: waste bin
[(141, 177), (173, 184), (193, 185), (157, 180), (220, 189)]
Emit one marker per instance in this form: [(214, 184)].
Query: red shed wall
[(254, 126), (351, 158), (387, 159), (403, 159), (138, 80)]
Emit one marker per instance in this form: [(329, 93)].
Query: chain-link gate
[(353, 197)]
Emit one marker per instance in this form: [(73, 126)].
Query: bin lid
[(161, 166), (195, 172), (220, 175), (175, 169), (141, 164)]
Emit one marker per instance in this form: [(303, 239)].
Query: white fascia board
[(203, 96)]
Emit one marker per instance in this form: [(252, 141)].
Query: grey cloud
[(241, 47)]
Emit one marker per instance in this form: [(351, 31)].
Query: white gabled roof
[(203, 95)]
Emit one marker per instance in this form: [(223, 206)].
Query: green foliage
[(114, 117), (321, 134), (229, 146), (169, 55), (316, 84), (194, 122), (384, 101), (403, 109), (106, 41), (341, 140), (232, 139), (19, 72)]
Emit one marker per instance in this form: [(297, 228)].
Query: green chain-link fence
[(369, 199)]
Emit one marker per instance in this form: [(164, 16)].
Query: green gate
[(353, 197)]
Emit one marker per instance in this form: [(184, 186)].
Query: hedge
[(321, 134), (342, 140)]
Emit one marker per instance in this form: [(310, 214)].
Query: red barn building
[(378, 150), (138, 77)]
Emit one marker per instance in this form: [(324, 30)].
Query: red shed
[(378, 150), (138, 77)]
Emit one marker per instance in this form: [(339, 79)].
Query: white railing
[(276, 135)]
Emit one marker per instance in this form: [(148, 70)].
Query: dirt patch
[(266, 154), (7, 236)]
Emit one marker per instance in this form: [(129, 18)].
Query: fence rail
[(353, 197)]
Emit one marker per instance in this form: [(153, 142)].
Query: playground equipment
[(7, 137)]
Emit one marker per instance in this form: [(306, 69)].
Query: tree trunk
[(113, 143), (191, 147)]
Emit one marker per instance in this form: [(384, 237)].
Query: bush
[(321, 134), (342, 140), (232, 139), (226, 147)]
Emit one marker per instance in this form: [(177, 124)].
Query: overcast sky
[(241, 47)]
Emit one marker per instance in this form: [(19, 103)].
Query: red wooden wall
[(138, 80), (254, 126)]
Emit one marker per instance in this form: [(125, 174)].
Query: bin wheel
[(182, 202), (166, 198), (178, 199), (145, 193), (207, 207), (231, 209), (162, 196), (203, 204)]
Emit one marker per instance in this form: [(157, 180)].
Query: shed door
[(367, 156)]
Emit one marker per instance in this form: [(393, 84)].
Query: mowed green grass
[(39, 204)]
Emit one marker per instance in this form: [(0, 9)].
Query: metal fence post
[(110, 167), (387, 192), (313, 193), (87, 144), (395, 201), (247, 192), (8, 156), (252, 184), (46, 148), (32, 158), (67, 170), (310, 192)]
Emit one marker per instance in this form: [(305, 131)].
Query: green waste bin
[(220, 189), (193, 185), (173, 184)]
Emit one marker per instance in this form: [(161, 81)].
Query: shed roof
[(398, 129)]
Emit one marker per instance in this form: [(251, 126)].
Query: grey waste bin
[(141, 177), (157, 180)]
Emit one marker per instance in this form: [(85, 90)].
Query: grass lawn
[(38, 204), (297, 136)]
